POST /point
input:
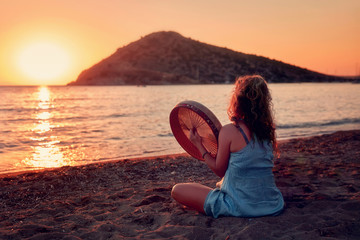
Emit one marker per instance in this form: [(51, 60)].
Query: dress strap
[(243, 133)]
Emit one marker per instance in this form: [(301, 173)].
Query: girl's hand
[(195, 138)]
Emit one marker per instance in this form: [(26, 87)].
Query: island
[(167, 57)]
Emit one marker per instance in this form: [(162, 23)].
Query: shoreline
[(17, 172), (130, 199), (12, 174)]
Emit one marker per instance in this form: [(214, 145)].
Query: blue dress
[(248, 188)]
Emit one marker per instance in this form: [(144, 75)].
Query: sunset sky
[(46, 42)]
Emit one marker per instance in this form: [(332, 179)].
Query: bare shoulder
[(231, 131), (226, 135), (227, 129)]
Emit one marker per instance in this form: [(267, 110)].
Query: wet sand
[(130, 199)]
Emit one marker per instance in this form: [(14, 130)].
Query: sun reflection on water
[(45, 154), (42, 127), (43, 115), (44, 98)]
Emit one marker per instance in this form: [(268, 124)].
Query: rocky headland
[(169, 58)]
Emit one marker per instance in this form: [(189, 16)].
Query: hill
[(170, 58)]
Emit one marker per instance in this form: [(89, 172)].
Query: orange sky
[(321, 35)]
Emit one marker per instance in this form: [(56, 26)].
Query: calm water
[(56, 126)]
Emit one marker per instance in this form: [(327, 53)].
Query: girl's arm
[(219, 164)]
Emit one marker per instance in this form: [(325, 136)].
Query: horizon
[(50, 43), (135, 85)]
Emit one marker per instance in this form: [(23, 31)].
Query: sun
[(43, 61)]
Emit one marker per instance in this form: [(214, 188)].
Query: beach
[(130, 198)]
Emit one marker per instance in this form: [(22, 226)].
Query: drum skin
[(188, 115)]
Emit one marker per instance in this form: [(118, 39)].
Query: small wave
[(97, 130), (17, 109), (165, 135), (7, 109), (13, 109), (4, 145), (5, 131), (154, 151), (114, 138), (54, 119), (69, 118), (116, 116), (320, 124), (69, 99), (22, 119), (29, 109)]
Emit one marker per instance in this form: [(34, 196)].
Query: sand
[(130, 199)]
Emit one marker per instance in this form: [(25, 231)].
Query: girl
[(243, 161)]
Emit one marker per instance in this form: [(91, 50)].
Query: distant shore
[(130, 199)]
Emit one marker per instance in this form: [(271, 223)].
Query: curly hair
[(252, 102)]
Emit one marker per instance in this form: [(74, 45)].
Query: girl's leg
[(191, 194)]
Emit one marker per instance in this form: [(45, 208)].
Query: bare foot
[(218, 184)]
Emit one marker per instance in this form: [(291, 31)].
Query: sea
[(54, 126)]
